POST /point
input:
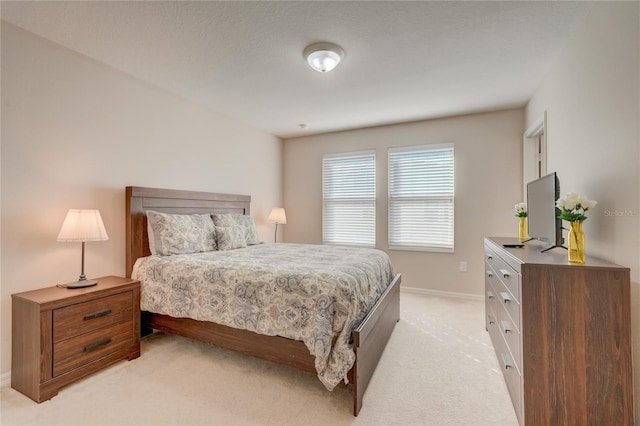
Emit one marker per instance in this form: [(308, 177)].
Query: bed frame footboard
[(371, 337)]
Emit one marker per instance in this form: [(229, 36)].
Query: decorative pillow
[(246, 222), (250, 233), (224, 219), (180, 233), (230, 237)]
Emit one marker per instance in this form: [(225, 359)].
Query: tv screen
[(543, 221)]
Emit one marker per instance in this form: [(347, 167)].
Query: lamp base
[(79, 284)]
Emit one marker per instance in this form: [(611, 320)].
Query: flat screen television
[(543, 221)]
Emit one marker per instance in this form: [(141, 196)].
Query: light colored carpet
[(439, 368)]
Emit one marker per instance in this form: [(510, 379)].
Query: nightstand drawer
[(81, 318), (71, 353)]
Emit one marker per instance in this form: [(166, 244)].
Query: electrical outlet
[(463, 266)]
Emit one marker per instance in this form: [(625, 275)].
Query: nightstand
[(60, 335)]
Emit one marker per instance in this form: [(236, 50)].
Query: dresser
[(60, 335), (562, 334)]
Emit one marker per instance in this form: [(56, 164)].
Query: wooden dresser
[(562, 334), (60, 335)]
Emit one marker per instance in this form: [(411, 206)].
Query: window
[(349, 199), (421, 198)]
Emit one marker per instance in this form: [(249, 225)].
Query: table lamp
[(82, 226), (277, 216)]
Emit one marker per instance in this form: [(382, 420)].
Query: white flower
[(573, 207), (521, 210), (571, 200), (586, 203)]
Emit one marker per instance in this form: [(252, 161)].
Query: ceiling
[(404, 61)]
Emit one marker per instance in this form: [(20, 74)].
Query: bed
[(367, 340)]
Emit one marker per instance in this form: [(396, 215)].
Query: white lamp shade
[(83, 225), (323, 57), (278, 215)]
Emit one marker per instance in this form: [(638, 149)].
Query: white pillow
[(246, 222), (250, 232), (180, 233), (230, 237)]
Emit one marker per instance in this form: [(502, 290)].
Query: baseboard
[(5, 379), (428, 292)]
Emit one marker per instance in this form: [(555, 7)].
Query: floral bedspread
[(310, 293)]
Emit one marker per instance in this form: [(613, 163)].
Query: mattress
[(316, 294)]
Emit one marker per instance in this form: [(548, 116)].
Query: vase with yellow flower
[(521, 212), (572, 209)]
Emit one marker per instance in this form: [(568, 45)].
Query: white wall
[(488, 182), (76, 132), (592, 97)]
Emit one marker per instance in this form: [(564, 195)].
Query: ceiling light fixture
[(323, 57)]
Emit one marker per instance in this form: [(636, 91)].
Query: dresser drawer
[(81, 318), (506, 301), (511, 336), (512, 377), (492, 327), (491, 320), (492, 287), (490, 311), (505, 273), (78, 351)]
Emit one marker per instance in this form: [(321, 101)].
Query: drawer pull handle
[(490, 257), (504, 273), (505, 297), (506, 327), (96, 345), (491, 321), (489, 295), (97, 314), (490, 274), (506, 360)]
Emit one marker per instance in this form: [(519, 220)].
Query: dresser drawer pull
[(506, 360), (491, 321), (490, 257), (96, 345), (504, 273), (506, 327), (97, 314), (505, 297), (490, 274), (489, 295)]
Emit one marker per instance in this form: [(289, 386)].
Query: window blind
[(421, 198), (349, 199)]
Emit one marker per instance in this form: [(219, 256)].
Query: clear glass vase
[(523, 234), (576, 243)]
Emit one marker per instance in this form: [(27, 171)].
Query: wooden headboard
[(139, 200)]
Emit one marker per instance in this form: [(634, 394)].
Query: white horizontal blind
[(421, 198), (349, 199)]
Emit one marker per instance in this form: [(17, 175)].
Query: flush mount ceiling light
[(323, 56)]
